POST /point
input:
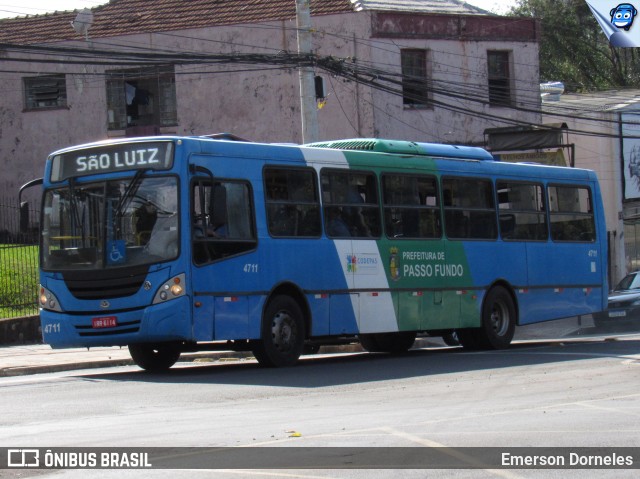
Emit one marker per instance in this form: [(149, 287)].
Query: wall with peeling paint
[(261, 103)]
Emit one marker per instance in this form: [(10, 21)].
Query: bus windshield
[(115, 223)]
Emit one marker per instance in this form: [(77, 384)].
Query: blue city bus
[(176, 244)]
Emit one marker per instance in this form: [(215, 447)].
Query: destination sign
[(112, 158)]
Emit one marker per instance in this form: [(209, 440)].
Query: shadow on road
[(576, 344)]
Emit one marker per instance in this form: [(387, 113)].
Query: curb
[(57, 368), (107, 363)]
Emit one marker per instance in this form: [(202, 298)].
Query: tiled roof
[(125, 17)]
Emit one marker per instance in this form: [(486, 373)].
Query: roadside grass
[(18, 280)]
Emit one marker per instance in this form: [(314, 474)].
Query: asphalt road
[(569, 393)]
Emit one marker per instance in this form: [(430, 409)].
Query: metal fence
[(18, 259)]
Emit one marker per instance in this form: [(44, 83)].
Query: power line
[(349, 69)]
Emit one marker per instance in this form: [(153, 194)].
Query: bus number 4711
[(52, 328), (250, 268)]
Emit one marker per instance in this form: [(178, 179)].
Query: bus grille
[(105, 284)]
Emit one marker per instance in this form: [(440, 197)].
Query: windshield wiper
[(79, 221), (129, 193)]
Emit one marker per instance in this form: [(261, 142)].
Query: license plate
[(617, 314), (104, 322)]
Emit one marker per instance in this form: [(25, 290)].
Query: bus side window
[(292, 202), (469, 208), (216, 233), (411, 207), (351, 206), (571, 214), (522, 211)]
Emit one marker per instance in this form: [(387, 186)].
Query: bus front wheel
[(283, 333), (498, 322), (154, 357)]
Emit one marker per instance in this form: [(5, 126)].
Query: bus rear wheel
[(154, 357), (283, 333), (498, 322), (393, 343)]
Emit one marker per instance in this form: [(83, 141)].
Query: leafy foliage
[(18, 280), (574, 50)]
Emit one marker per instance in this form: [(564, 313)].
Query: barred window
[(499, 73), (141, 97), (45, 91), (415, 77)]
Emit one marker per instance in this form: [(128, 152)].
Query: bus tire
[(154, 357), (499, 316), (283, 333), (498, 323), (392, 343)]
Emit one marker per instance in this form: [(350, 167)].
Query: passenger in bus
[(218, 227), (336, 225), (354, 216), (145, 217)]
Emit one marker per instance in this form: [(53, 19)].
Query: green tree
[(574, 50)]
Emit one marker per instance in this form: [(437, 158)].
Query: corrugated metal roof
[(125, 17), (602, 101)]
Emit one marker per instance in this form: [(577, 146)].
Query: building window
[(415, 77), (47, 91), (499, 73), (141, 97)]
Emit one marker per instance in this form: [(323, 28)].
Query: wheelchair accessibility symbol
[(116, 252)]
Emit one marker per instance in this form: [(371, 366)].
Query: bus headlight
[(174, 288), (48, 300)]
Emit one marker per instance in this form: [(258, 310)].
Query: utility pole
[(308, 108)]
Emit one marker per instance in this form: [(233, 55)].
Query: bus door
[(415, 251), (569, 265), (352, 219), (225, 264)]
